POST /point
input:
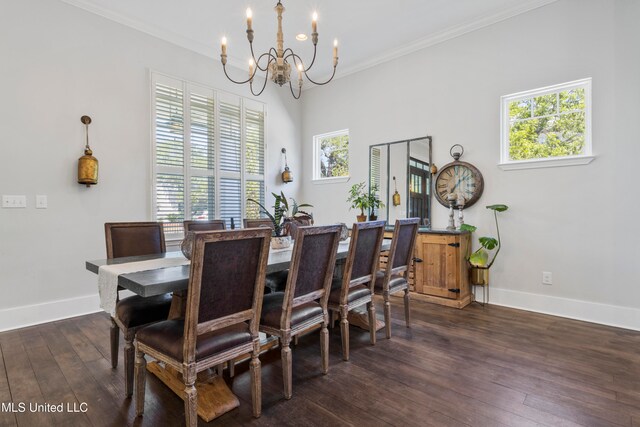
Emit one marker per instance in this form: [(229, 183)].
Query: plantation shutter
[(169, 149), (230, 160), (202, 156), (254, 157), (209, 154)]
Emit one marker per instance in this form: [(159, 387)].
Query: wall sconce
[(396, 195), (87, 164), (286, 174)]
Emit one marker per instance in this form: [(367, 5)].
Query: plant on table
[(359, 199), (374, 202), (281, 212)]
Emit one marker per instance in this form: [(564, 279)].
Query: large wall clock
[(459, 178)]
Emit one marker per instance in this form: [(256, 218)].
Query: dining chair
[(257, 222), (394, 278), (291, 224), (224, 299), (303, 304), (355, 289), (275, 282), (207, 225), (125, 239)]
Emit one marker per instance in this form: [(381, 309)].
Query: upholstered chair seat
[(396, 283), (272, 311), (168, 338), (137, 311)]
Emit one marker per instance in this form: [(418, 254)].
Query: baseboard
[(605, 314), (29, 315)]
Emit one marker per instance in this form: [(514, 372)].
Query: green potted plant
[(280, 216), (479, 260), (359, 199), (374, 202)]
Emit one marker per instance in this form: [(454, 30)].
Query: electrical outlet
[(14, 201), (41, 201), (547, 278)]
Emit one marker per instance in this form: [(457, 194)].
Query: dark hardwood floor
[(489, 366)]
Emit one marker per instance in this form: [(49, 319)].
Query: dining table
[(214, 396)]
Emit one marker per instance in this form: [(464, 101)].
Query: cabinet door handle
[(415, 259), (455, 245), (455, 291)]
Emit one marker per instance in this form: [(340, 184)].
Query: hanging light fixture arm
[(279, 60)]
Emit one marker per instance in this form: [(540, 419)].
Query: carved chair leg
[(191, 403), (407, 310), (115, 339), (141, 372), (232, 368), (387, 315), (371, 309), (220, 369), (287, 367), (324, 347), (128, 363), (256, 383), (344, 331)]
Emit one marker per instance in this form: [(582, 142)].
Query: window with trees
[(331, 156), (547, 127), (208, 153)]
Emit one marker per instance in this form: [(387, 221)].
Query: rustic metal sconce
[(87, 164), (286, 174), (396, 195)]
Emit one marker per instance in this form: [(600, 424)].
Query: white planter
[(282, 242)]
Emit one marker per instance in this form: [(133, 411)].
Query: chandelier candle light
[(278, 59)]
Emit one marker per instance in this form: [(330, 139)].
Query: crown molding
[(207, 50), (442, 36)]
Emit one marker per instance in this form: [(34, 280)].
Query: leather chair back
[(211, 225), (404, 240), (257, 222), (364, 249), (311, 269), (226, 282), (126, 239)]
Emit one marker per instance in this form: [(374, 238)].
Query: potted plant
[(359, 199), (281, 238), (374, 202), (479, 259)]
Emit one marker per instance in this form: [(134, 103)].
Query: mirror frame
[(408, 142)]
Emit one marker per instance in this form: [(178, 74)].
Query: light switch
[(41, 201), (14, 201)]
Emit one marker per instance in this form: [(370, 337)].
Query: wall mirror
[(402, 169)]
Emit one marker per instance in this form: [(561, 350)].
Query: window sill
[(337, 180), (546, 163)]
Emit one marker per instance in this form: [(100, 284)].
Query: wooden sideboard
[(440, 273)]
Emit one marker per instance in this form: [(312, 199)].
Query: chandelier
[(276, 62)]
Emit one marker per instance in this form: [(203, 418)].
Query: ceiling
[(369, 31)]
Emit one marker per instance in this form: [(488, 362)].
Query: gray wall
[(575, 222), (59, 63)]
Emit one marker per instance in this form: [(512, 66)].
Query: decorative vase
[(479, 276), (344, 232), (280, 242), (187, 245), (361, 218)]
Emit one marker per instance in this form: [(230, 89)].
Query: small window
[(547, 127), (331, 156)]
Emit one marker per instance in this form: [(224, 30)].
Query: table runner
[(108, 277)]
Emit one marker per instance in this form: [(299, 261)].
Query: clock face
[(460, 179)]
